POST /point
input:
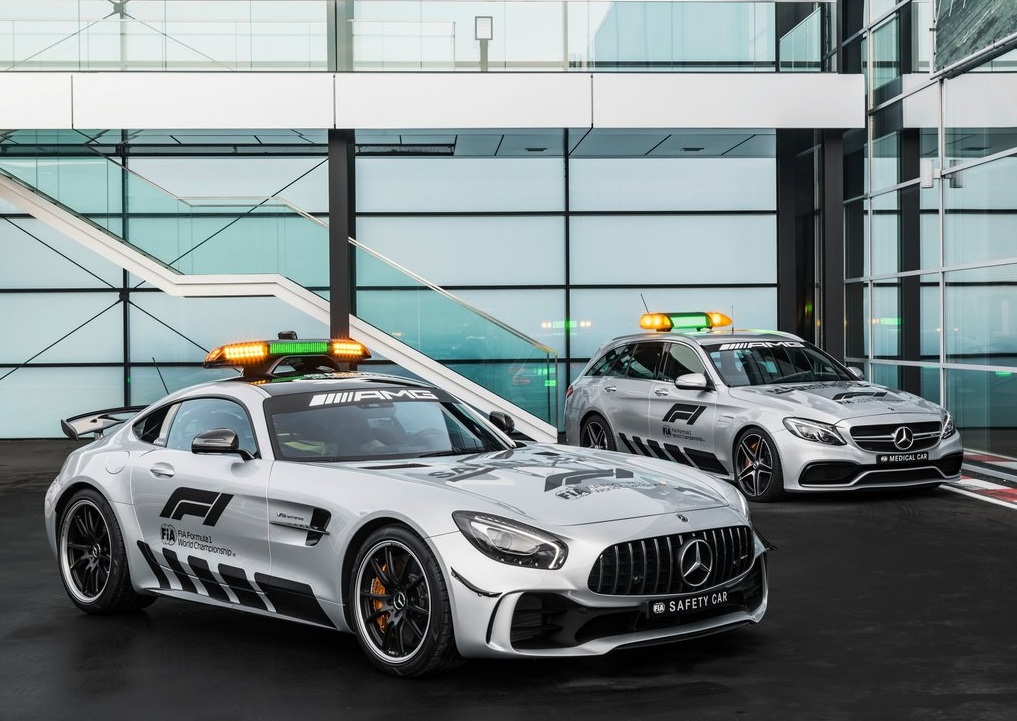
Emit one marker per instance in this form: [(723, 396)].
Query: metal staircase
[(17, 188)]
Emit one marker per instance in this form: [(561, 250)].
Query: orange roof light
[(346, 349), (238, 353), (718, 319), (254, 353), (655, 321)]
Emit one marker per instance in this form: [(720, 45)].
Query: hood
[(838, 400), (566, 486)]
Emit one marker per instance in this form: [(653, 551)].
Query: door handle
[(610, 389), (661, 392), (162, 470)]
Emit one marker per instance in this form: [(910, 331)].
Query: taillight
[(569, 390)]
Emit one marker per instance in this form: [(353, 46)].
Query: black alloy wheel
[(596, 433), (757, 467), (403, 618), (93, 564)]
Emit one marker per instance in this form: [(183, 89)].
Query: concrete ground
[(882, 606)]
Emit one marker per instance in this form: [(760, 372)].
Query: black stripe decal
[(201, 570), (657, 450), (677, 455), (627, 444), (706, 461), (639, 444), (146, 551), (292, 598), (185, 581), (236, 579)]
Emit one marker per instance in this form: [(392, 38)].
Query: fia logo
[(169, 535), (658, 607)]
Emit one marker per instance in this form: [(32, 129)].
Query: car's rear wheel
[(757, 466), (402, 615), (93, 563), (596, 433)]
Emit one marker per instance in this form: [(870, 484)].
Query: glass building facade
[(509, 254)]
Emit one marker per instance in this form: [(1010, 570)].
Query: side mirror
[(857, 372), (692, 382), (219, 441), (503, 421)]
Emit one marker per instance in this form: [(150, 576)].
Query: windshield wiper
[(450, 452)]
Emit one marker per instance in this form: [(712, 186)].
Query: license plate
[(894, 458), (665, 607)]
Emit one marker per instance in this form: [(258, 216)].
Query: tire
[(596, 433), (93, 563), (757, 470), (401, 611)]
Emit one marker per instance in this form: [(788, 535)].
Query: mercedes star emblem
[(903, 438), (695, 562)]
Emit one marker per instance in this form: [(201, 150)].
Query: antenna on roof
[(732, 315), (646, 307)]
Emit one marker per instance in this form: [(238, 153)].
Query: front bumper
[(503, 611), (814, 467)]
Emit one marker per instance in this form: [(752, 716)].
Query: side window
[(203, 414), (645, 359), (680, 360), (154, 428), (608, 365)]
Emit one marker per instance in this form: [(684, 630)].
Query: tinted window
[(154, 428), (680, 360), (374, 424), (604, 364), (204, 414), (763, 362), (644, 361)]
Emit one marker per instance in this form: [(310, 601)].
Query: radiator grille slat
[(650, 566)]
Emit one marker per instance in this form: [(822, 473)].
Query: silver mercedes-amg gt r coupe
[(382, 506)]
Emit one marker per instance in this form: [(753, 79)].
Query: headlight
[(814, 431), (743, 505), (948, 427), (509, 542)]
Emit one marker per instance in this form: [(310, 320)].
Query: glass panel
[(79, 328), (801, 48), (930, 384), (856, 240), (886, 319), (68, 392), (981, 213), (931, 323), (48, 259), (671, 250), (452, 251), (673, 184), (981, 316), (434, 185), (885, 53), (886, 221), (448, 330), (149, 384), (984, 405), (886, 375)]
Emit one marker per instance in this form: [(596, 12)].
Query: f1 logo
[(207, 505), (687, 412)]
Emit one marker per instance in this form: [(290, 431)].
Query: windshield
[(763, 362), (371, 424)]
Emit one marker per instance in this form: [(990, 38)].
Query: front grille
[(650, 566), (879, 439)]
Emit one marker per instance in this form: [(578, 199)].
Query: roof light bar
[(664, 322), (253, 353)]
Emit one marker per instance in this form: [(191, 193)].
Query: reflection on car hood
[(838, 400), (567, 486)]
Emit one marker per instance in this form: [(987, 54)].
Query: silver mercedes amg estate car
[(382, 506), (766, 410)]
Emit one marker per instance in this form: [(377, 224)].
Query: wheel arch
[(67, 494)]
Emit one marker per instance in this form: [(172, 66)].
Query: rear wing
[(96, 422)]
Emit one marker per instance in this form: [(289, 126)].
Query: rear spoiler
[(96, 422)]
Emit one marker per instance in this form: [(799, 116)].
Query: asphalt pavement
[(882, 606)]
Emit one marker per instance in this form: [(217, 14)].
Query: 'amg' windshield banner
[(965, 28)]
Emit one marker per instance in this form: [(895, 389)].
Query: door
[(203, 516), (682, 421)]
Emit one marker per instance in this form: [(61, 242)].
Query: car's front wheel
[(402, 615), (757, 466), (93, 563), (596, 433)]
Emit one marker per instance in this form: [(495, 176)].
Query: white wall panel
[(728, 100), (203, 100), (35, 100), (462, 100)]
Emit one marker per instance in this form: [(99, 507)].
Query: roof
[(326, 382), (709, 338)]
